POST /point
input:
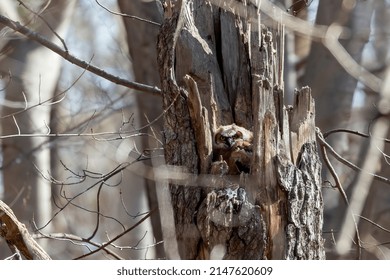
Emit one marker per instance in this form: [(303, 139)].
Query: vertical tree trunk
[(35, 71), (216, 68), (376, 205), (334, 88), (142, 39)]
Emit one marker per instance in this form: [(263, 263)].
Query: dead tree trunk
[(217, 67)]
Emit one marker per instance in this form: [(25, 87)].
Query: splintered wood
[(224, 69)]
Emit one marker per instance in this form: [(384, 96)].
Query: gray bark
[(18, 238), (233, 74)]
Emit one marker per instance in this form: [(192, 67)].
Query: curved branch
[(77, 240), (350, 131), (44, 20), (347, 162), (118, 236), (323, 145), (16, 26), (128, 16)]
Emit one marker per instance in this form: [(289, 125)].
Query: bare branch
[(355, 132), (128, 16), (16, 26), (374, 224), (339, 186), (16, 124), (45, 21), (17, 237), (331, 42), (350, 164), (77, 240), (372, 157), (118, 236), (330, 167)]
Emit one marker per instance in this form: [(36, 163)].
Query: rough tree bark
[(17, 236), (216, 68)]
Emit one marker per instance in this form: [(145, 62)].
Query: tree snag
[(218, 68)]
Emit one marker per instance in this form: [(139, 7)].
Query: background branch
[(16, 26)]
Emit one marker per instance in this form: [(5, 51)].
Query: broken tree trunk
[(218, 67)]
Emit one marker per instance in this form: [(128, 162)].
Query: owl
[(232, 145)]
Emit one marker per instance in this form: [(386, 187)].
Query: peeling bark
[(255, 215), (17, 236)]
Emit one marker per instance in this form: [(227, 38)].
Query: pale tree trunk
[(222, 70), (35, 71), (142, 40)]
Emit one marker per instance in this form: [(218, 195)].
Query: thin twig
[(74, 239), (16, 124), (350, 164), (128, 16), (350, 131), (101, 178), (339, 186), (374, 224), (363, 185), (45, 21), (118, 236), (330, 167)]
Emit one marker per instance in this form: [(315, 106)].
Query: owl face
[(228, 136), (233, 145)]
